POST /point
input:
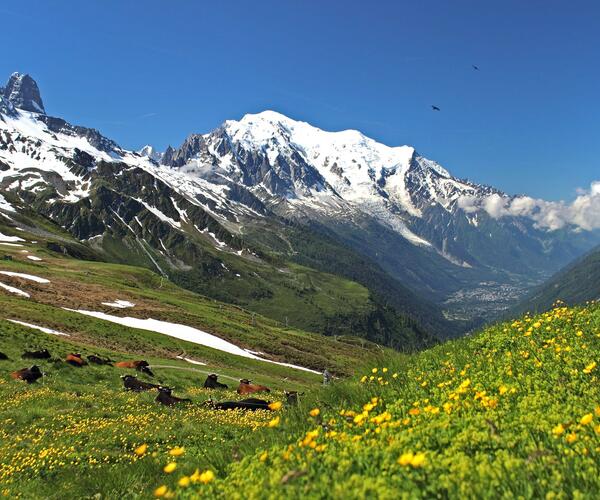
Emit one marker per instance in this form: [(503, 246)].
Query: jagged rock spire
[(23, 92)]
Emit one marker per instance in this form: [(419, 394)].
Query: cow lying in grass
[(247, 387), (166, 398), (292, 397), (140, 366), (251, 404), (43, 354), (97, 360), (29, 375), (75, 360), (131, 383), (211, 383)]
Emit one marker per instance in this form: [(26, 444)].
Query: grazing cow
[(97, 360), (165, 398), (43, 354), (140, 366), (211, 383), (251, 404), (75, 360), (3, 356), (29, 375), (131, 383), (292, 397), (247, 387)]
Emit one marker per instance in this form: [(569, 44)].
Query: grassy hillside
[(300, 295), (575, 284), (511, 411)]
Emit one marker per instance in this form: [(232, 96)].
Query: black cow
[(29, 375), (211, 383), (97, 360), (292, 397), (251, 404), (43, 354), (166, 398), (3, 356), (131, 383)]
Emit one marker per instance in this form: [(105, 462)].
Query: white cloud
[(583, 212)]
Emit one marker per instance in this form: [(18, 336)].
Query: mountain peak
[(23, 92), (150, 152)]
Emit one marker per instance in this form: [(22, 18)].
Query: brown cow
[(75, 360), (247, 387), (29, 375), (140, 366)]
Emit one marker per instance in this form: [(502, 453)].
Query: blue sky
[(154, 71)]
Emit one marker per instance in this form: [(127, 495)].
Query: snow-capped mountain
[(149, 152), (241, 188), (283, 160)]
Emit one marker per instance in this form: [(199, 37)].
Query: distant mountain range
[(286, 219)]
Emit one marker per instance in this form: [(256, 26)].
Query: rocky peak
[(23, 92)]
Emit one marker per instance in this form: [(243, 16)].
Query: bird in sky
[(435, 108), (475, 67)]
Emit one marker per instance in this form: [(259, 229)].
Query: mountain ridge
[(221, 199)]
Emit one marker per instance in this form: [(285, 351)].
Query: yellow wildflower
[(170, 467), (276, 405), (177, 452), (586, 419), (315, 412), (274, 422), (207, 476), (161, 491), (140, 450)]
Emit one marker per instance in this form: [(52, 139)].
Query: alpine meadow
[(271, 250)]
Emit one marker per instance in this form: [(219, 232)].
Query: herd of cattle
[(165, 396)]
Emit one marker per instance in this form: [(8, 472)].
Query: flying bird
[(435, 108), (475, 67)]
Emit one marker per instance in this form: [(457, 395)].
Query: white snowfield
[(40, 328), (14, 290), (183, 332), (9, 239), (34, 258), (29, 277), (192, 361), (10, 244), (121, 304), (4, 205)]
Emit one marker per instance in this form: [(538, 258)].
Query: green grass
[(513, 411)]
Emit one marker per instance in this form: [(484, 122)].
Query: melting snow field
[(9, 239), (193, 361), (34, 258), (183, 332), (29, 277), (14, 290), (40, 328), (121, 304)]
